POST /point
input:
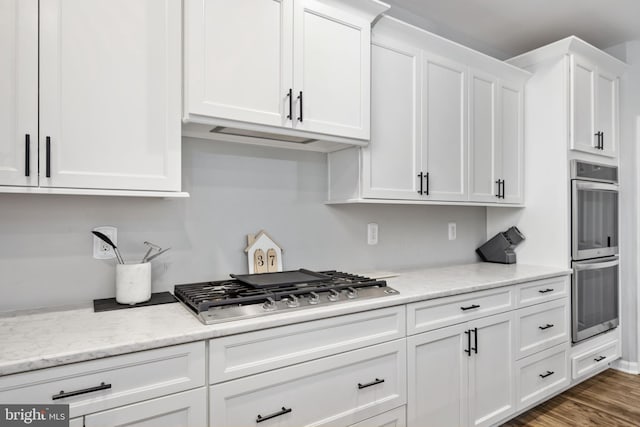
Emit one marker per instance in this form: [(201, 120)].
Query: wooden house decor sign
[(264, 255)]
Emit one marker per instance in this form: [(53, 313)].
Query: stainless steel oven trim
[(575, 175), (594, 330), (576, 254)]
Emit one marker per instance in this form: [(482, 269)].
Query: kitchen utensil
[(294, 277), (108, 241), (157, 255), (151, 248)]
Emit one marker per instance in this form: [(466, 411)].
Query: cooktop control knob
[(292, 301), (314, 298), (352, 293), (269, 305), (333, 295)]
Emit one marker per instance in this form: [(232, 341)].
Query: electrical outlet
[(452, 230), (101, 250), (372, 233)]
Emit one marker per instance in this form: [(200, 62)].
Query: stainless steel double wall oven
[(594, 241)]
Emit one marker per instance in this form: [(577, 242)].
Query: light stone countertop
[(45, 339)]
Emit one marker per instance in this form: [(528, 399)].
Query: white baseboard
[(626, 366)]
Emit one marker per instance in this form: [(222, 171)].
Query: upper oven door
[(594, 222)]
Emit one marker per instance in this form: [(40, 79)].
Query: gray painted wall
[(45, 241), (629, 195)]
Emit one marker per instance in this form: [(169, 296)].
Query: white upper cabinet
[(239, 59), (19, 92), (444, 128), (332, 51), (392, 161), (301, 74), (110, 94), (509, 154), (594, 107), (445, 125)]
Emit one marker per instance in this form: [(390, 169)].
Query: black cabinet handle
[(471, 307), (475, 340), (27, 155), (498, 195), (600, 359), (503, 189), (602, 140), (548, 374), (290, 96), (300, 118), (376, 382), (547, 326), (283, 411), (468, 349), (48, 160), (544, 291), (62, 394), (426, 176), (420, 175)]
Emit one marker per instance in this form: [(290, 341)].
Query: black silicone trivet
[(109, 304)]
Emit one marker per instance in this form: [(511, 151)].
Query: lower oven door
[(595, 297)]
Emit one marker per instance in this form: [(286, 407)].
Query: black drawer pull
[(548, 374), (471, 307), (468, 349), (600, 359), (376, 382), (283, 411), (544, 291), (420, 176), (62, 394), (547, 326)]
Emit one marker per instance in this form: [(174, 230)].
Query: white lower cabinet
[(463, 374), (394, 418), (596, 359), (541, 375), (76, 422), (338, 390), (187, 409)]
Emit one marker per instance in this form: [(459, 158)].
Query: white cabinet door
[(491, 372), (186, 409), (394, 418), (437, 377), (238, 59), (509, 158), (484, 153), (110, 94), (607, 112), (19, 92), (391, 161), (332, 55), (583, 92), (444, 128)]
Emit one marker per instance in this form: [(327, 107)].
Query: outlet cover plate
[(100, 249)]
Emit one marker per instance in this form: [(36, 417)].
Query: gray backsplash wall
[(45, 241)]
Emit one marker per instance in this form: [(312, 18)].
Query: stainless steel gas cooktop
[(247, 296)]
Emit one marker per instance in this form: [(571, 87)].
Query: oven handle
[(595, 265), (586, 185)]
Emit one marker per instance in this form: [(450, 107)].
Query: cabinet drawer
[(441, 312), (542, 326), (394, 418), (131, 377), (541, 375), (246, 354), (542, 291), (336, 390), (595, 360), (186, 409)]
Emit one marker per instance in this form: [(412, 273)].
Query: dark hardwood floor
[(611, 398)]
